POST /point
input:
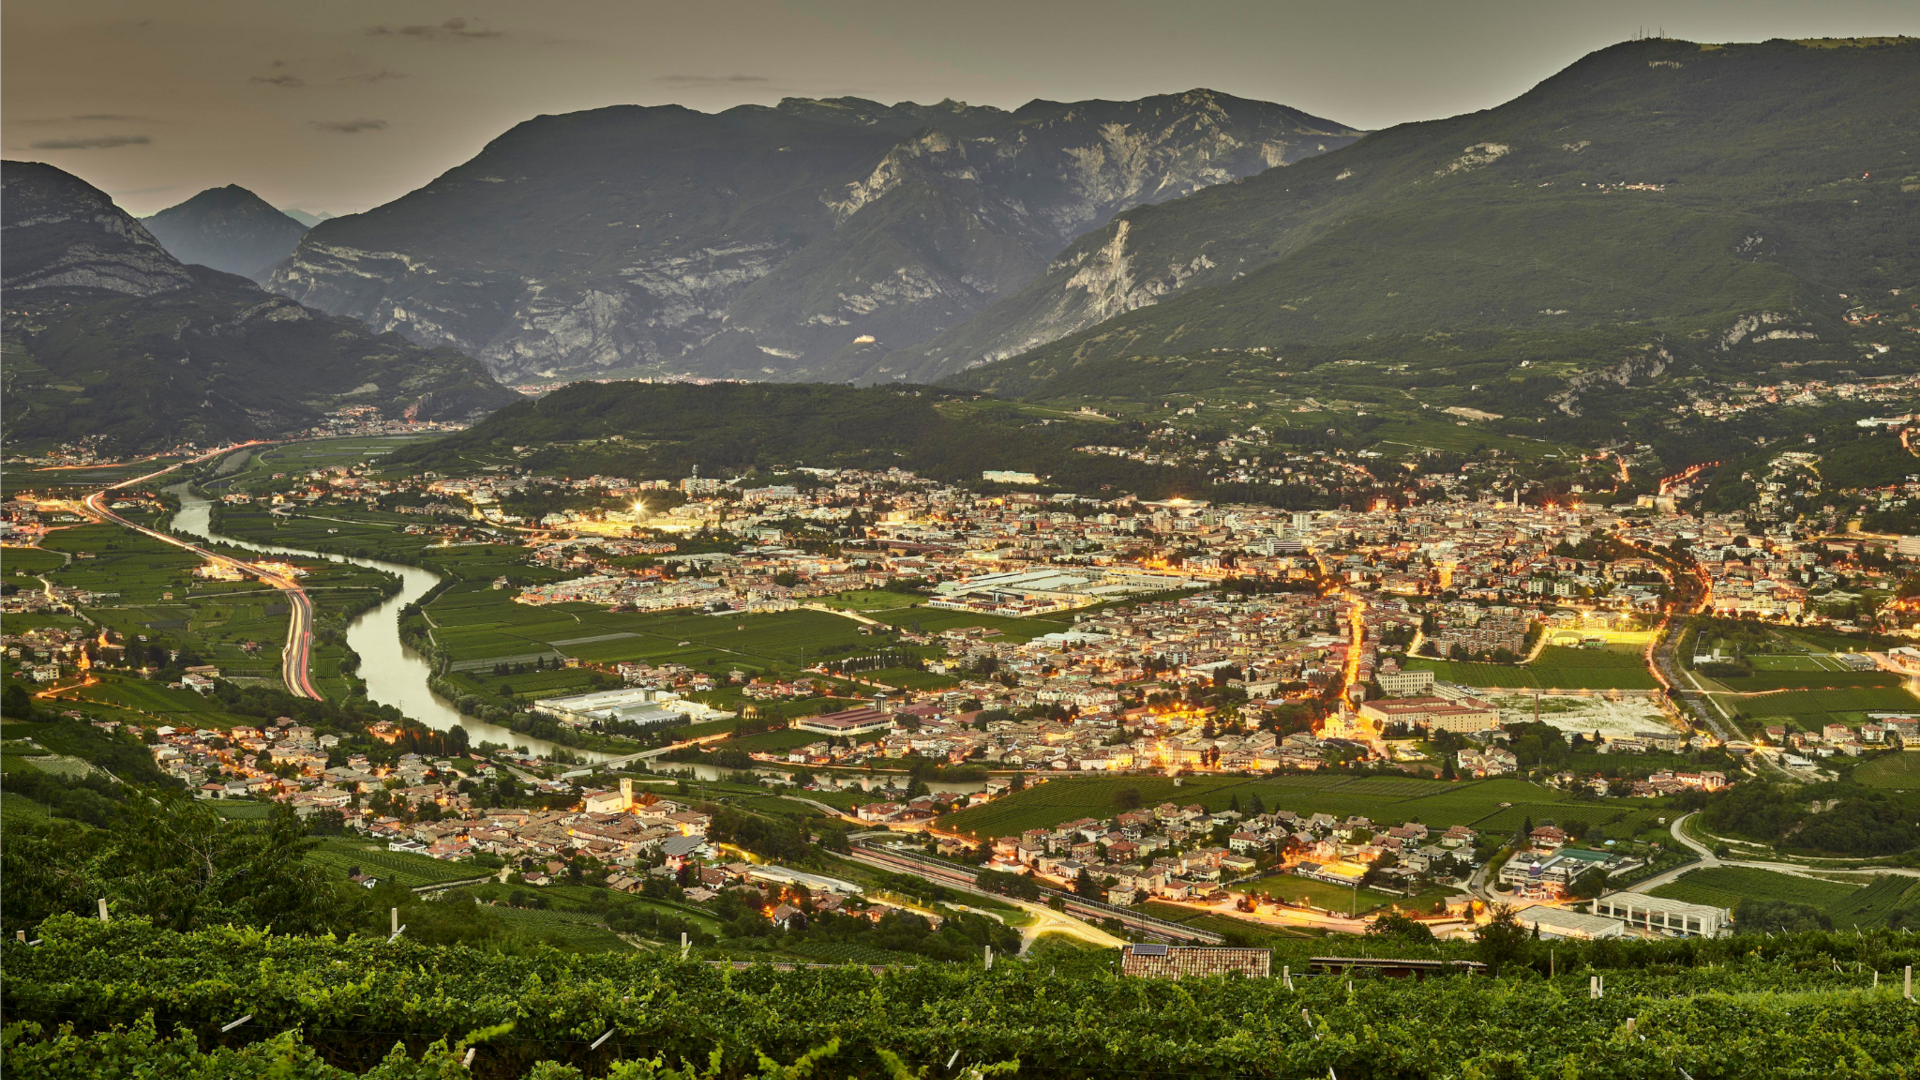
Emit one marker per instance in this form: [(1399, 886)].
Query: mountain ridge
[(1663, 184), (106, 334), (793, 241)]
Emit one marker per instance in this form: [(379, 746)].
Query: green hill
[(666, 430), (1658, 207)]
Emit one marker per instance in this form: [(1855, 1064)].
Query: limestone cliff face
[(803, 241)]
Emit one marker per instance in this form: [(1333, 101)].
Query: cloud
[(350, 127), (454, 29), (709, 80), (91, 142), (288, 81), (115, 118), (383, 75)]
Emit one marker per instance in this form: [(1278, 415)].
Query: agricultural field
[(934, 620), (358, 531), (1816, 707), (110, 559), (1387, 800), (253, 469), (28, 561), (17, 810), (1899, 771), (1809, 680), (1557, 667), (400, 867), (1847, 905), (111, 694), (575, 932), (784, 739)]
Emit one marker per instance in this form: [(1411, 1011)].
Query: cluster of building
[(1743, 397), (1191, 854), (1880, 731)]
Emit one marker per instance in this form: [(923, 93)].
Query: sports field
[(1557, 667), (1289, 889), (1817, 706)]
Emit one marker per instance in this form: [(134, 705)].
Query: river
[(395, 673)]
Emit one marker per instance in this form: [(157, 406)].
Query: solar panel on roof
[(1149, 950)]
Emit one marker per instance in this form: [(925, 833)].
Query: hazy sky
[(339, 105)]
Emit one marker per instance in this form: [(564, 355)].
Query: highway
[(296, 658)]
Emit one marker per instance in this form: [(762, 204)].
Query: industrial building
[(1644, 911), (633, 705)]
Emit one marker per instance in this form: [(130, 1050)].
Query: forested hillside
[(1657, 203)]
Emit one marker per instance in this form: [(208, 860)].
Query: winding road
[(1709, 860), (296, 659)]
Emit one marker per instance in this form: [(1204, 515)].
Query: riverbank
[(393, 672)]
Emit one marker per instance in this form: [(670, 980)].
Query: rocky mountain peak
[(229, 229), (62, 232)]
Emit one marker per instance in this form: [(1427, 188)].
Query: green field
[(1814, 705), (1848, 905), (27, 561), (1557, 668), (255, 470), (782, 739), (1387, 800), (18, 809), (1900, 771), (911, 679), (578, 932), (1320, 894), (1805, 680), (400, 867)]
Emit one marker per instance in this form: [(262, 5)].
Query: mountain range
[(229, 229), (805, 240), (1656, 197), (107, 334)]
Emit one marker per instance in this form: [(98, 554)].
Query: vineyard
[(1848, 905), (1787, 1006), (402, 868)]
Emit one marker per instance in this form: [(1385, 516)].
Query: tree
[(1085, 886), (1127, 798), (1588, 885), (178, 863), (1502, 940), (16, 703), (1753, 916), (1397, 927)]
